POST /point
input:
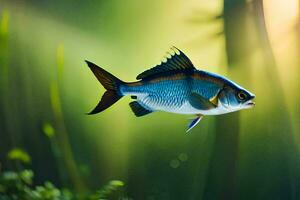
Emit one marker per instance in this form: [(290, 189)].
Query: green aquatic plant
[(107, 190), (48, 130), (19, 185), (19, 154), (59, 131), (4, 21)]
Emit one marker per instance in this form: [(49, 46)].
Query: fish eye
[(241, 95)]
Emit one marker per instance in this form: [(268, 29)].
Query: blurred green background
[(46, 89)]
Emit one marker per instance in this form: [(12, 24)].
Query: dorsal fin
[(177, 62)]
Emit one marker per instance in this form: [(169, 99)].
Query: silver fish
[(174, 86)]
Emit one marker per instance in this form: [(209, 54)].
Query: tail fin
[(110, 83)]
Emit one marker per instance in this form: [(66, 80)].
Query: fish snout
[(251, 96)]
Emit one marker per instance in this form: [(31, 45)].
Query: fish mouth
[(250, 104)]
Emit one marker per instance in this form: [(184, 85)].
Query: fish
[(175, 86)]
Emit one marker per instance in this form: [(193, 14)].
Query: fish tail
[(110, 83)]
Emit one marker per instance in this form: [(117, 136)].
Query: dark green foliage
[(107, 190), (19, 185)]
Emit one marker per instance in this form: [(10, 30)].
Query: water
[(46, 89)]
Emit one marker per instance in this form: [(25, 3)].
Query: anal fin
[(194, 122), (138, 109)]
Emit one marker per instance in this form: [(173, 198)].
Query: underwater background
[(46, 88)]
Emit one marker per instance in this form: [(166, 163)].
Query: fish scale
[(170, 93), (163, 95)]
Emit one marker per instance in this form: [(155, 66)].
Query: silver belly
[(184, 108)]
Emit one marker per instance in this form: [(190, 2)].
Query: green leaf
[(55, 100), (107, 190), (26, 176), (116, 183), (19, 154), (48, 130)]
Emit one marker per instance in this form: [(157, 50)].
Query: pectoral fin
[(214, 100), (201, 103), (138, 109), (194, 122)]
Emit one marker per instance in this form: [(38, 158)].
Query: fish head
[(234, 97)]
